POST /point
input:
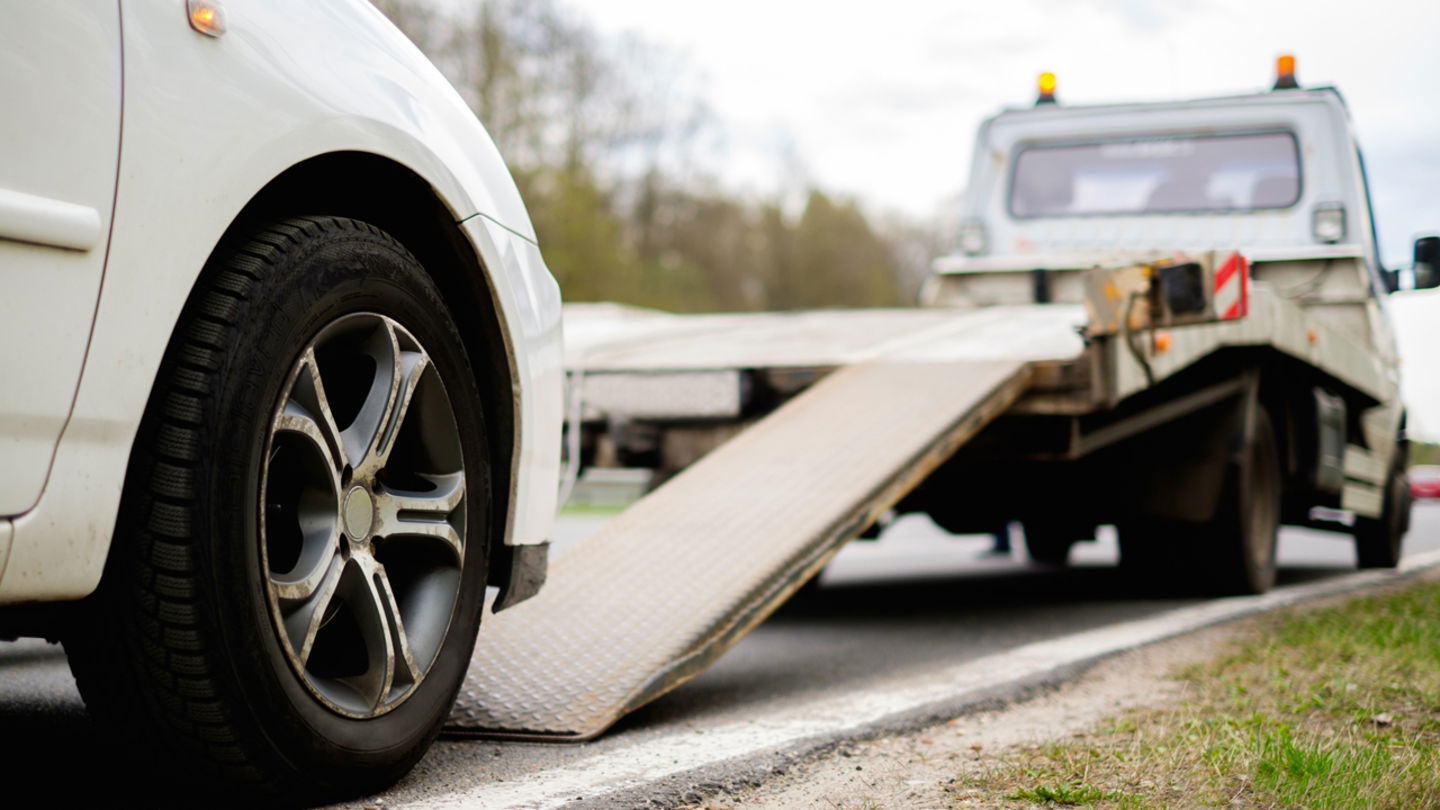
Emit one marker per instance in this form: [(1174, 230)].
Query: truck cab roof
[(1056, 185)]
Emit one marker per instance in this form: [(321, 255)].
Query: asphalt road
[(915, 600)]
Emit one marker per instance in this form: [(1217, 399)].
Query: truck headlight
[(1327, 223)]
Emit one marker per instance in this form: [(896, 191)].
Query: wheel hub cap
[(359, 513)]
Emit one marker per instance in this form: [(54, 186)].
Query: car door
[(60, 98)]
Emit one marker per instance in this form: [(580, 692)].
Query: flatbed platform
[(615, 338)]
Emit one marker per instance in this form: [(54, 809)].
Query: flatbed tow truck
[(1166, 317)]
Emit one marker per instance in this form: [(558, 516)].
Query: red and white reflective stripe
[(1232, 288)]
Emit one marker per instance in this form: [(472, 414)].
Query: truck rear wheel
[(1151, 548), (1378, 540), (1233, 553), (1239, 551), (1049, 542)]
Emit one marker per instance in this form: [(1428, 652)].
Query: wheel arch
[(389, 195)]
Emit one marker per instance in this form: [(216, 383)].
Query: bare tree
[(601, 134)]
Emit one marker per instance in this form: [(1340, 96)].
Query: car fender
[(203, 133)]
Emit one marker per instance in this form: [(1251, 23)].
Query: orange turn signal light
[(206, 17)]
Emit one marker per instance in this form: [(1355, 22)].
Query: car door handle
[(43, 221)]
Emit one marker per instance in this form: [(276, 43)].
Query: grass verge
[(1335, 707), (598, 510)]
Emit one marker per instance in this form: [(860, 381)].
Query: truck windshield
[(1157, 175)]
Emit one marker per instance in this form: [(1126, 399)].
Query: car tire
[(1378, 540), (212, 647)]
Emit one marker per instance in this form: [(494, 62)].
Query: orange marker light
[(1047, 89), (206, 17), (1163, 342), (1285, 73)]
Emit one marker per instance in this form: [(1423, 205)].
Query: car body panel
[(6, 531), (518, 269), (57, 187), (208, 122)]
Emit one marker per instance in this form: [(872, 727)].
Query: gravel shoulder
[(922, 769), (940, 766)]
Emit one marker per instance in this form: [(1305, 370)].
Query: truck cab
[(1277, 175)]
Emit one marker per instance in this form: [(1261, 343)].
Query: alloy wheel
[(362, 524)]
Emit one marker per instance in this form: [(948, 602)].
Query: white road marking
[(636, 766)]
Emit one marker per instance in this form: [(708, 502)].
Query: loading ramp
[(654, 597)]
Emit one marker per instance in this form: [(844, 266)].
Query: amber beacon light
[(1047, 89), (1285, 73)]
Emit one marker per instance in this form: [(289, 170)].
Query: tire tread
[(160, 610), (146, 652)]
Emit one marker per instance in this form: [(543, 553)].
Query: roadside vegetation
[(610, 140), (1424, 453), (1337, 707)]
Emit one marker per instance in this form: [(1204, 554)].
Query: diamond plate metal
[(661, 591)]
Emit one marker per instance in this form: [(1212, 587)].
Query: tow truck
[(1167, 317)]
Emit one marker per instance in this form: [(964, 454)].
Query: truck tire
[(1152, 548), (1238, 546), (1048, 543), (1378, 540), (296, 580)]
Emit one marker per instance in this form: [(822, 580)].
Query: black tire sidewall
[(1216, 557), (1050, 543), (326, 278), (1248, 487), (1378, 541)]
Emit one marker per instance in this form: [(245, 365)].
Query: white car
[(280, 382)]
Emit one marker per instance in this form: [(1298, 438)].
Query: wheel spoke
[(357, 589), (307, 411), (402, 672), (359, 436), (295, 419), (398, 369), (411, 368), (304, 622), (404, 513), (301, 586)]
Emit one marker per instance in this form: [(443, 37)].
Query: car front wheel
[(298, 570)]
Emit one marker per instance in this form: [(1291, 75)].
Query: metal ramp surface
[(655, 596)]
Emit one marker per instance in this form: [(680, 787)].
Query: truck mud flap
[(659, 593)]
